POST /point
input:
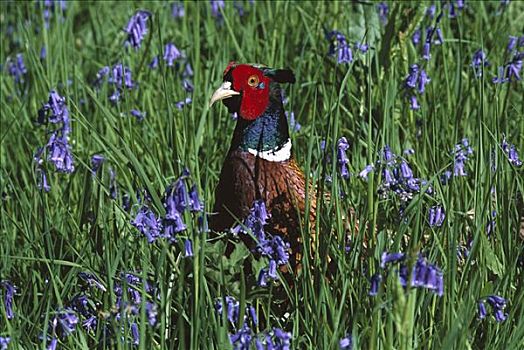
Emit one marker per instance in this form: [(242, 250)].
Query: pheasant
[(259, 164)]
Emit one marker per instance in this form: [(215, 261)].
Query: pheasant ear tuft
[(281, 75)]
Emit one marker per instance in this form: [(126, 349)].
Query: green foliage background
[(47, 238)]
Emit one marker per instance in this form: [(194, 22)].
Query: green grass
[(48, 238)]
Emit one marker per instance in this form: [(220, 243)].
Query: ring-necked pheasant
[(259, 164)]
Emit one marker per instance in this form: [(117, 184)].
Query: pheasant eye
[(252, 80)]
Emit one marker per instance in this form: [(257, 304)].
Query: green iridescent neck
[(267, 132)]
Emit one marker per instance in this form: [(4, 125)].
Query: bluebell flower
[(365, 172), (391, 258), (412, 78), (180, 104), (187, 85), (479, 61), (413, 103), (461, 152), (431, 10), (17, 69), (59, 153), (135, 334), (424, 275), (363, 48), (242, 339), (148, 224), (339, 45), (171, 53), (500, 78), (482, 310), (383, 9), (138, 114), (513, 70), (42, 181), (375, 284), (67, 320), (101, 74), (511, 152), (4, 342), (436, 216), (96, 162), (512, 43), (343, 161), (417, 34), (194, 201), (281, 340), (52, 344), (216, 6), (55, 110), (177, 9), (43, 53), (121, 77), (154, 62), (188, 248), (9, 292), (426, 54), (137, 29), (151, 313), (345, 343)]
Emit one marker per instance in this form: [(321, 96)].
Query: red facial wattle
[(254, 86)]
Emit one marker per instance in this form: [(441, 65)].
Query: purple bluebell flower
[(121, 77), (42, 181), (96, 162), (148, 224), (59, 153), (413, 103), (391, 258), (405, 170), (52, 344), (138, 114), (137, 28), (375, 284), (363, 48), (513, 70), (345, 343), (194, 201), (4, 342), (412, 78), (216, 6), (177, 9), (17, 69), (479, 61), (439, 39), (242, 339), (281, 340), (461, 152), (436, 216), (188, 248), (431, 10), (409, 152), (339, 45), (482, 310), (498, 305), (135, 334), (151, 313), (187, 85), (171, 53), (55, 110), (293, 124), (383, 9), (101, 74), (415, 39), (180, 104), (426, 54), (154, 62), (67, 320), (424, 275), (343, 161), (512, 43), (500, 78), (365, 172), (43, 53), (9, 292), (511, 152)]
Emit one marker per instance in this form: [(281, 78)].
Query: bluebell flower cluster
[(271, 246), (383, 11), (397, 177), (96, 163), (454, 7), (461, 152), (423, 274), (17, 69), (52, 7), (177, 9), (61, 326), (343, 160), (510, 71), (4, 342), (415, 84), (57, 148), (171, 53), (511, 153), (478, 62), (433, 37), (136, 29), (497, 303), (436, 216), (338, 45), (232, 309), (119, 77), (8, 293)]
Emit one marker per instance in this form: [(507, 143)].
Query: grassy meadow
[(77, 270)]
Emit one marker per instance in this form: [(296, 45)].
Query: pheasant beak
[(223, 92)]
